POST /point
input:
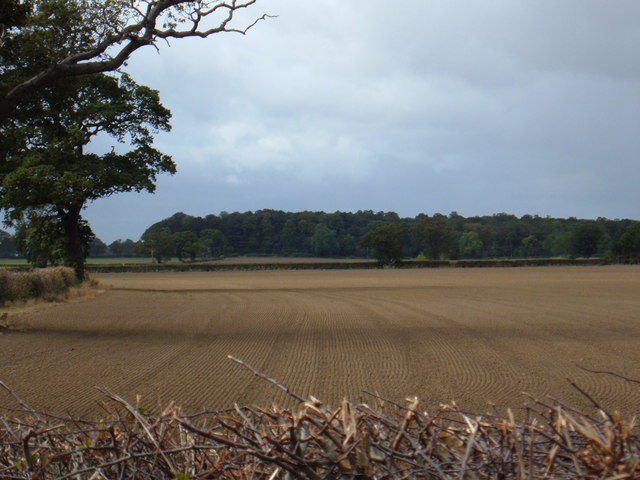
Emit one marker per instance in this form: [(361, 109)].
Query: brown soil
[(476, 336)]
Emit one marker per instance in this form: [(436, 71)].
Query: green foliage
[(43, 163), (585, 239), (43, 42), (50, 171), (530, 246), (97, 248), (324, 241), (386, 240), (271, 232), (214, 242), (470, 245), (157, 243), (44, 33), (508, 233), (556, 244), (434, 236), (121, 248), (187, 245), (41, 238), (626, 248), (335, 235), (13, 13)]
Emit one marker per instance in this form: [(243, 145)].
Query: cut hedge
[(316, 441)]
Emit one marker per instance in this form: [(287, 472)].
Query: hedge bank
[(341, 265), (45, 283)]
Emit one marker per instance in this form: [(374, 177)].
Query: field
[(476, 336)]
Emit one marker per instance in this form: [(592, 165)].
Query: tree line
[(364, 234), (368, 233)]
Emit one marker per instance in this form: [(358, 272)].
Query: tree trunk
[(75, 254)]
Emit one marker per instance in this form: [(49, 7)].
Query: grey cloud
[(521, 106)]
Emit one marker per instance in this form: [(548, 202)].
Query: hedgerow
[(341, 265), (45, 283)]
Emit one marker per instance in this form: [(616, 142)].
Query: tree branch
[(127, 40)]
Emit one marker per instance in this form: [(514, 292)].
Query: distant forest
[(339, 234), (336, 235)]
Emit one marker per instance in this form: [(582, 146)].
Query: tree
[(433, 235), (386, 239), (507, 234), (214, 242), (483, 232), (116, 248), (585, 239), (187, 245), (41, 238), (157, 243), (13, 13), (626, 248), (121, 248), (531, 246), (324, 241), (97, 248), (47, 169), (99, 37), (470, 245)]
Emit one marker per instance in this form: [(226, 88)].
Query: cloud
[(522, 106)]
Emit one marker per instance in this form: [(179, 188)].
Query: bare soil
[(476, 336)]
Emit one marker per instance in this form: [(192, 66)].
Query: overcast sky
[(479, 107)]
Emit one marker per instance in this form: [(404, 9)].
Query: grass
[(11, 262), (118, 260)]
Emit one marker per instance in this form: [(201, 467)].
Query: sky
[(420, 106)]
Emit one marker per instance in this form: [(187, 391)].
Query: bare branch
[(613, 374), (125, 40), (269, 379)]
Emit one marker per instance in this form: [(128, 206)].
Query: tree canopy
[(43, 41), (337, 234), (387, 242), (47, 172)]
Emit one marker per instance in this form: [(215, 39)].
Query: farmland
[(476, 336)]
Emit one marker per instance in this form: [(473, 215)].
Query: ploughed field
[(476, 336)]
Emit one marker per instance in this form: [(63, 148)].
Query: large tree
[(586, 238), (103, 35), (433, 235), (626, 247), (47, 169), (387, 241)]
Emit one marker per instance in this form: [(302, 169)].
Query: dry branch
[(354, 441), (316, 441)]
